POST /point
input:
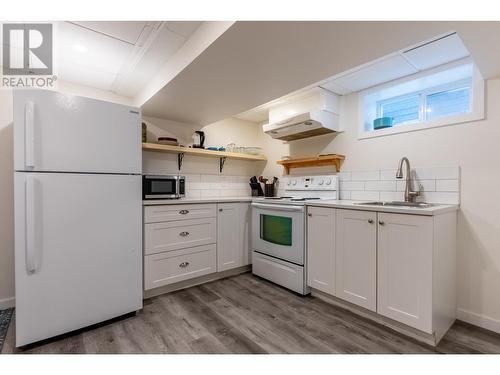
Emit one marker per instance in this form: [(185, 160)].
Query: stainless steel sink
[(398, 204)]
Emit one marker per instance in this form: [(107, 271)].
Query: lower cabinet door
[(178, 265), (321, 249), (405, 244), (230, 235), (356, 260)]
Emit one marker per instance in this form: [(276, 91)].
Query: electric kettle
[(198, 139)]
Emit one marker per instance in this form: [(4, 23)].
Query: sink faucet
[(410, 195)]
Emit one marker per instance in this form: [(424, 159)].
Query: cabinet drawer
[(171, 212), (174, 266), (174, 235)]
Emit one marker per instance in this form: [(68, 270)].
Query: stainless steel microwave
[(163, 187)]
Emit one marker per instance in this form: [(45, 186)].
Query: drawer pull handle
[(184, 264), (184, 212), (184, 234)]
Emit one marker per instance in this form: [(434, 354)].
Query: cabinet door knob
[(184, 212), (309, 215), (370, 221), (220, 209), (381, 222), (184, 234), (184, 264)]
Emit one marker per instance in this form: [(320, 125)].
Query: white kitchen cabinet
[(405, 257), (321, 249), (232, 235), (356, 257)]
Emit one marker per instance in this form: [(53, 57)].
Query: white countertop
[(354, 205), (346, 204), (155, 202)]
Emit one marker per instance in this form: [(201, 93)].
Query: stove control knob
[(289, 182), (328, 182), (321, 182), (294, 182)]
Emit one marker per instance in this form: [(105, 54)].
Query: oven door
[(160, 187), (278, 231)]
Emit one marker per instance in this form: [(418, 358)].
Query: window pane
[(402, 110), (448, 103)]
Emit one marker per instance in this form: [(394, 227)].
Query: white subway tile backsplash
[(344, 176), (447, 185), (346, 195), (380, 185), (438, 173), (352, 185), (388, 174), (208, 186), (428, 185), (440, 185), (365, 176), (442, 197), (365, 195), (210, 193)]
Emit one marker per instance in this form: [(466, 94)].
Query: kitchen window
[(443, 96)]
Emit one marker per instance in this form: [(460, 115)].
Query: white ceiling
[(428, 54), (117, 56), (255, 62)]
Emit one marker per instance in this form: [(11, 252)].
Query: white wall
[(7, 184), (221, 133), (472, 146)]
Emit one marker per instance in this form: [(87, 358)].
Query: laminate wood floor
[(245, 314)]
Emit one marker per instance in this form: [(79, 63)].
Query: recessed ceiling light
[(80, 48)]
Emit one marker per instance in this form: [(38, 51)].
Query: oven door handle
[(278, 207)]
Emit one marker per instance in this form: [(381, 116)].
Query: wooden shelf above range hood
[(314, 161)]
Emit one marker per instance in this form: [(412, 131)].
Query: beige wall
[(472, 146), (7, 184)]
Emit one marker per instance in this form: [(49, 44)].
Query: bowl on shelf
[(383, 122), (252, 150)]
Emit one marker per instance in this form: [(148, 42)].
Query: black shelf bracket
[(222, 161), (180, 158)]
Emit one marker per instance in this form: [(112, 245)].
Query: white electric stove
[(279, 230)]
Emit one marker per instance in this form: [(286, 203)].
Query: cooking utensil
[(262, 179)]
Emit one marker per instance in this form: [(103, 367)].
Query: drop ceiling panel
[(165, 45), (374, 74), (184, 28), (436, 53), (127, 31), (104, 54)]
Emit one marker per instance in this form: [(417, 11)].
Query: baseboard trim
[(7, 303), (196, 281), (426, 338), (479, 320)]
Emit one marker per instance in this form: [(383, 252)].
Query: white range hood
[(308, 124), (309, 115)]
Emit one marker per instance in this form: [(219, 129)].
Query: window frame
[(476, 102)]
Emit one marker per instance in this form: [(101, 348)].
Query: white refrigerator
[(78, 212)]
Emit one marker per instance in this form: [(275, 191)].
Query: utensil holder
[(269, 190)]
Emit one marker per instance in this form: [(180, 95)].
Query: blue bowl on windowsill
[(382, 123)]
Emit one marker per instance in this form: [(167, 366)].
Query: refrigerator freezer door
[(78, 252), (65, 133)]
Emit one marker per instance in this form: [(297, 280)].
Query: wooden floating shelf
[(316, 161), (181, 151)]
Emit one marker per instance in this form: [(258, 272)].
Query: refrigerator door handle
[(29, 134), (31, 244)]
